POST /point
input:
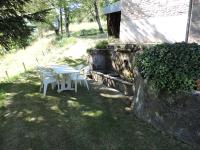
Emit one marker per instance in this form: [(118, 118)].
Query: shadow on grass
[(89, 33), (69, 120), (72, 62), (85, 33)]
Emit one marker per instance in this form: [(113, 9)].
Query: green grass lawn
[(87, 120)]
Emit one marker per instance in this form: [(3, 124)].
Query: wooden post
[(37, 60), (7, 74), (24, 66)]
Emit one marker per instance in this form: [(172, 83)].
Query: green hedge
[(172, 67)]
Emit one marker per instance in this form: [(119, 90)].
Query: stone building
[(157, 21)]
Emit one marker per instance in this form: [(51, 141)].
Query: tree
[(64, 9), (64, 5), (51, 19), (61, 20), (92, 6), (15, 23), (96, 10)]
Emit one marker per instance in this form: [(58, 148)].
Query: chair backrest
[(86, 70), (45, 72), (79, 67)]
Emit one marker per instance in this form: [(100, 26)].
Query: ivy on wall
[(172, 67)]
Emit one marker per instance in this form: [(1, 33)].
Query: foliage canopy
[(15, 23)]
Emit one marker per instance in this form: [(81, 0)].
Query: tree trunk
[(61, 21), (66, 10), (97, 16), (56, 25)]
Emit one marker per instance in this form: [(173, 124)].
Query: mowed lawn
[(87, 120)]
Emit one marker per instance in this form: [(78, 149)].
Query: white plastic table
[(65, 71)]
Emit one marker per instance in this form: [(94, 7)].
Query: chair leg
[(45, 89), (58, 84), (75, 85), (72, 83), (53, 86), (41, 86), (86, 83)]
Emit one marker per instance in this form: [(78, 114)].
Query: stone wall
[(117, 58), (180, 119), (153, 21), (113, 81), (122, 59)]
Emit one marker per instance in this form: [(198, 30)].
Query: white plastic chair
[(80, 77), (47, 77), (79, 67)]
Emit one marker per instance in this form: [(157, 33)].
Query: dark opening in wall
[(113, 24)]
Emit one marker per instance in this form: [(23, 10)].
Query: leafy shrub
[(172, 67), (102, 44), (89, 50)]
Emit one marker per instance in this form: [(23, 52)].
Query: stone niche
[(99, 59), (113, 67), (178, 115)]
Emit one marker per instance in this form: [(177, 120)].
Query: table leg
[(75, 86), (65, 81), (62, 85)]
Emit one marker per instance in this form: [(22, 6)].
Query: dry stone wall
[(180, 119)]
